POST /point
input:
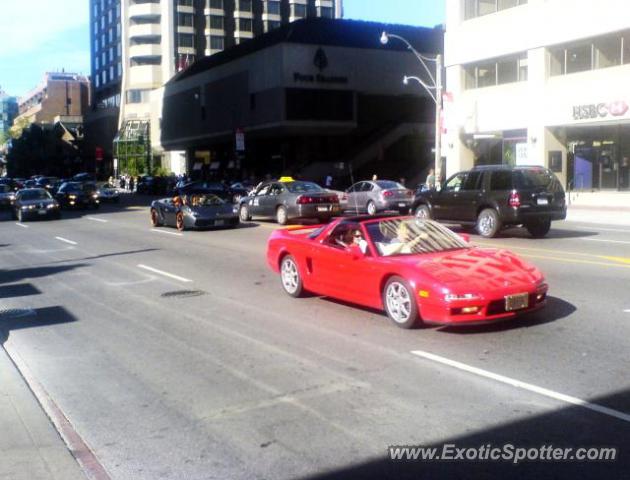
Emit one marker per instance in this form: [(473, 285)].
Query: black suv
[(497, 196)]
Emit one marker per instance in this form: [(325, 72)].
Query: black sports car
[(35, 203), (195, 209), (221, 189)]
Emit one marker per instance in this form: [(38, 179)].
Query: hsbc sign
[(600, 110)]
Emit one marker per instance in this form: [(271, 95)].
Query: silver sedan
[(377, 196)]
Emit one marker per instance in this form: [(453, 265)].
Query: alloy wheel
[(290, 276), (398, 302)]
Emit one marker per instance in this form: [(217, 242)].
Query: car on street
[(377, 196), (78, 195), (83, 177), (417, 270), (47, 182), (7, 195), (229, 193), (494, 197), (287, 199), (195, 209), (35, 203), (107, 193)]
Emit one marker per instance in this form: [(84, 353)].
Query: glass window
[(523, 68), (185, 19), (215, 22), (245, 24), (487, 75), (626, 48), (503, 4), (608, 52), (215, 4), (272, 25), (486, 7), (216, 42), (557, 61), (455, 183), (185, 40), (507, 70), (579, 58), (273, 7), (298, 10), (245, 5), (472, 180), (501, 180), (326, 12), (185, 3)]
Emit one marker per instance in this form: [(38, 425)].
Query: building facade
[(138, 45), (58, 94), (540, 82), (8, 112), (315, 98)]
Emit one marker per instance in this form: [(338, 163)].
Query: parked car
[(287, 199), (77, 195), (46, 182), (196, 209), (229, 193), (417, 270), (35, 203), (7, 195), (107, 193), (377, 196), (83, 177), (494, 197)]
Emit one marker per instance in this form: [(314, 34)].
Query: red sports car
[(416, 270)]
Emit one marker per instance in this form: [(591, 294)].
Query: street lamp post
[(434, 89)]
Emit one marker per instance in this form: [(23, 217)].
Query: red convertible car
[(416, 270)]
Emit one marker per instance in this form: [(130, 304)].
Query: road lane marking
[(547, 250), (525, 386), (65, 240), (21, 225), (166, 274), (604, 241), (157, 230), (94, 219), (569, 260), (626, 311), (595, 229)]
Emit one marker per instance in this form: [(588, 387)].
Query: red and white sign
[(240, 140), (98, 154)]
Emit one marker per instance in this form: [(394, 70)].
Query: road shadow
[(566, 427), (104, 255), (19, 274), (555, 309), (17, 319), (518, 232), (18, 290)]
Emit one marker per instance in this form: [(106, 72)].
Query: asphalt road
[(179, 356)]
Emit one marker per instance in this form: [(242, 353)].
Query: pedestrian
[(430, 181), (402, 181), (328, 181), (131, 184), (122, 182), (374, 177)]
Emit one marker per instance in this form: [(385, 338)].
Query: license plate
[(42, 212), (516, 302), (219, 223), (402, 204), (542, 201), (322, 209)]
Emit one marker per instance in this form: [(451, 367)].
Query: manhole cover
[(16, 312), (183, 294)]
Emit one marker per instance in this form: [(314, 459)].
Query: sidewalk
[(30, 447)]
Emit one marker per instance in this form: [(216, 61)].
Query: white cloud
[(26, 25)]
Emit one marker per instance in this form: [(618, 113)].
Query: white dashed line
[(525, 386), (166, 274), (21, 225), (626, 311), (604, 241), (156, 230), (94, 219), (65, 240)]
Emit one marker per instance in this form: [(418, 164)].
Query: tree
[(19, 124)]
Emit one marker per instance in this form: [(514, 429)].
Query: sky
[(50, 35)]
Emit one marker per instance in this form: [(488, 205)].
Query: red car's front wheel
[(179, 221), (400, 303), (290, 276)]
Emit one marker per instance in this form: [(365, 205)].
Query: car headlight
[(450, 297), (25, 207), (235, 209), (50, 206), (72, 197)]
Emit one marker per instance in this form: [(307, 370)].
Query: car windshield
[(389, 185), (409, 236), (303, 187), (35, 195), (534, 178), (205, 200)]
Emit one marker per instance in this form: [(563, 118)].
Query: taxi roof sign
[(286, 179)]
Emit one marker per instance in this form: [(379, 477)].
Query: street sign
[(98, 154), (240, 140)]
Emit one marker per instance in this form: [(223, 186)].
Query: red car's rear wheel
[(400, 303)]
